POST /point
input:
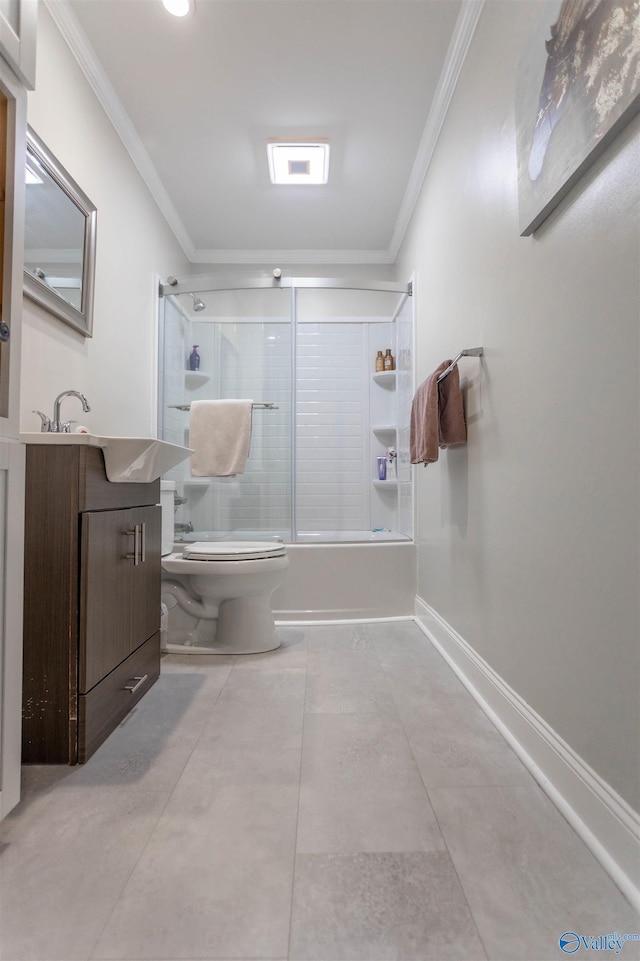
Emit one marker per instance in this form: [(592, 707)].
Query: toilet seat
[(232, 551)]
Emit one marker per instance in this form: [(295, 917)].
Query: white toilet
[(225, 583)]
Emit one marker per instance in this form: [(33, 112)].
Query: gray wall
[(528, 538)]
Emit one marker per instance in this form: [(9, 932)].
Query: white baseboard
[(606, 823)]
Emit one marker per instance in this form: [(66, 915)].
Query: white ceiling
[(195, 101)]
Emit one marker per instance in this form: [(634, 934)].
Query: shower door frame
[(215, 283)]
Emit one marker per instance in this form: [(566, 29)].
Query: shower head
[(197, 303)]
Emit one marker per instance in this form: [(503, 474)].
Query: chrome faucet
[(56, 426), (185, 528)]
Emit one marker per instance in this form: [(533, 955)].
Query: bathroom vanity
[(91, 601)]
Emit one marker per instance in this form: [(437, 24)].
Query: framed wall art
[(577, 86)]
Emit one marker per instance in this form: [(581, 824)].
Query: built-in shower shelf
[(195, 378), (384, 429), (197, 483), (388, 484), (386, 378)]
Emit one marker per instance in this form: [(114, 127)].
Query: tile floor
[(342, 797)]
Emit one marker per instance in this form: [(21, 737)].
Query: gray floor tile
[(291, 653), (346, 682), (149, 749), (177, 840), (421, 668), (66, 856), (527, 876), (338, 637), (361, 789), (393, 636), (372, 907), (454, 742), (209, 665), (215, 878), (257, 707)]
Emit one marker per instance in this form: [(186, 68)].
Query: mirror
[(60, 240)]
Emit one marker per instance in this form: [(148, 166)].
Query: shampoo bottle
[(194, 358), (389, 363), (379, 362)]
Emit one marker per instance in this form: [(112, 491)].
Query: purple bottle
[(194, 358)]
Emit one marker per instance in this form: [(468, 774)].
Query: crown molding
[(454, 60), (76, 39)]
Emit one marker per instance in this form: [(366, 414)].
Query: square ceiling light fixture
[(298, 162)]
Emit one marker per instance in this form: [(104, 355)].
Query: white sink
[(127, 460)]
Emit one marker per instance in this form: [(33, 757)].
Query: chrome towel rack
[(266, 404), (469, 352)]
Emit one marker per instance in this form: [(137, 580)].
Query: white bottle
[(391, 464)]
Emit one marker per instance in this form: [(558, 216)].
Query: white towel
[(220, 435)]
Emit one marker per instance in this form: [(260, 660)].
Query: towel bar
[(267, 405), (469, 352)]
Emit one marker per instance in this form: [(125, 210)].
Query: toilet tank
[(167, 494)]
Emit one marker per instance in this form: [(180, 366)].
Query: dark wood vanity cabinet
[(92, 601)]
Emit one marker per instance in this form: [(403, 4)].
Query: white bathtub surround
[(606, 823)]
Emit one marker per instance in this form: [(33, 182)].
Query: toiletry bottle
[(389, 363), (194, 358), (391, 464), (379, 362)]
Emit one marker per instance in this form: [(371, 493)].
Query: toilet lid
[(232, 550)]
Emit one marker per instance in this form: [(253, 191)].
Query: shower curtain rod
[(267, 405), (469, 352)]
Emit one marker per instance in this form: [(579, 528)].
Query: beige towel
[(424, 433), (453, 427), (220, 434)]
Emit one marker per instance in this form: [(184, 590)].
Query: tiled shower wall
[(332, 427)]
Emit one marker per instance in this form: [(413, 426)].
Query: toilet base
[(223, 606), (245, 626)]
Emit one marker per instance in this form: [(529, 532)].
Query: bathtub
[(351, 580), (338, 575)]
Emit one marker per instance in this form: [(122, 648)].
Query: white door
[(12, 453), (12, 459)]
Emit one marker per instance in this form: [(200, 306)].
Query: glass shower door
[(245, 346), (337, 334)]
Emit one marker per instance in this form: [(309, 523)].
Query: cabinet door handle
[(135, 556), (139, 682), (143, 542)]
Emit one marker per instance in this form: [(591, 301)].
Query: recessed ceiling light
[(178, 8), (298, 162)]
